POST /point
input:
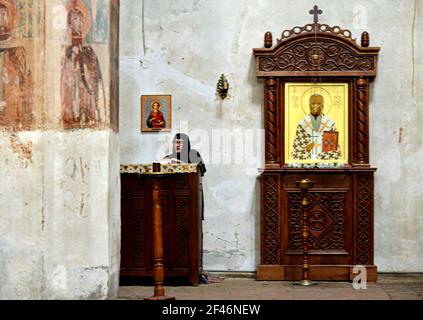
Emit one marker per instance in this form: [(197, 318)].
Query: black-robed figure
[(182, 151)]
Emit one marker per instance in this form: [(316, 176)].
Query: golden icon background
[(297, 97)]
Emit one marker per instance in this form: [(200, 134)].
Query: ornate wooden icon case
[(341, 202)]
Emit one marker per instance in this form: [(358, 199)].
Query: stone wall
[(182, 47), (60, 191)]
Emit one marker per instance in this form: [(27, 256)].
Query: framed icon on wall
[(156, 113), (316, 123)]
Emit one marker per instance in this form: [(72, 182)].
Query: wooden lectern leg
[(159, 291)]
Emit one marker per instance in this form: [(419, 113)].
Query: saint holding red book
[(330, 141)]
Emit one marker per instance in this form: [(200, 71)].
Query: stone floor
[(388, 287)]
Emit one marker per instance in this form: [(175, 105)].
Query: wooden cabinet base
[(317, 272), (341, 224), (182, 228)]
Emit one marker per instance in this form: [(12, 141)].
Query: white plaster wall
[(59, 218), (21, 259), (181, 47), (80, 238), (60, 192), (113, 216)]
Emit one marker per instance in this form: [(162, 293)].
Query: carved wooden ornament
[(341, 202)]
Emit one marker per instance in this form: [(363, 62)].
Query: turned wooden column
[(305, 185), (271, 123), (361, 130), (158, 256)]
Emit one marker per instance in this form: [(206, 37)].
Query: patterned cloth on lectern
[(164, 168)]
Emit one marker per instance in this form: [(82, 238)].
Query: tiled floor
[(389, 286)]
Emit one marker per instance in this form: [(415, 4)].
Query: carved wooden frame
[(331, 55), (322, 52)]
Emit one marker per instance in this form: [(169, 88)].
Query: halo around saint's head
[(154, 102), (317, 90), (78, 6), (13, 14)]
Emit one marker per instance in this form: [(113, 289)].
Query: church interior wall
[(182, 47), (60, 190), (60, 213)]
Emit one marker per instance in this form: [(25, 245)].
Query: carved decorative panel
[(327, 221), (182, 182), (319, 55), (271, 220), (314, 28), (364, 220), (139, 205), (181, 232)]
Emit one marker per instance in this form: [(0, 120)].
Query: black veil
[(187, 155)]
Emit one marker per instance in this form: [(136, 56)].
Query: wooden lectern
[(179, 189)]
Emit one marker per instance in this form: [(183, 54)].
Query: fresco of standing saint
[(15, 76), (82, 88)]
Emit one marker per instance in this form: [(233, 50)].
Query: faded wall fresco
[(55, 182), (30, 18), (82, 88), (88, 69), (99, 33), (57, 67), (17, 21)]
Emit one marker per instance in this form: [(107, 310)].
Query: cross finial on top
[(315, 12)]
